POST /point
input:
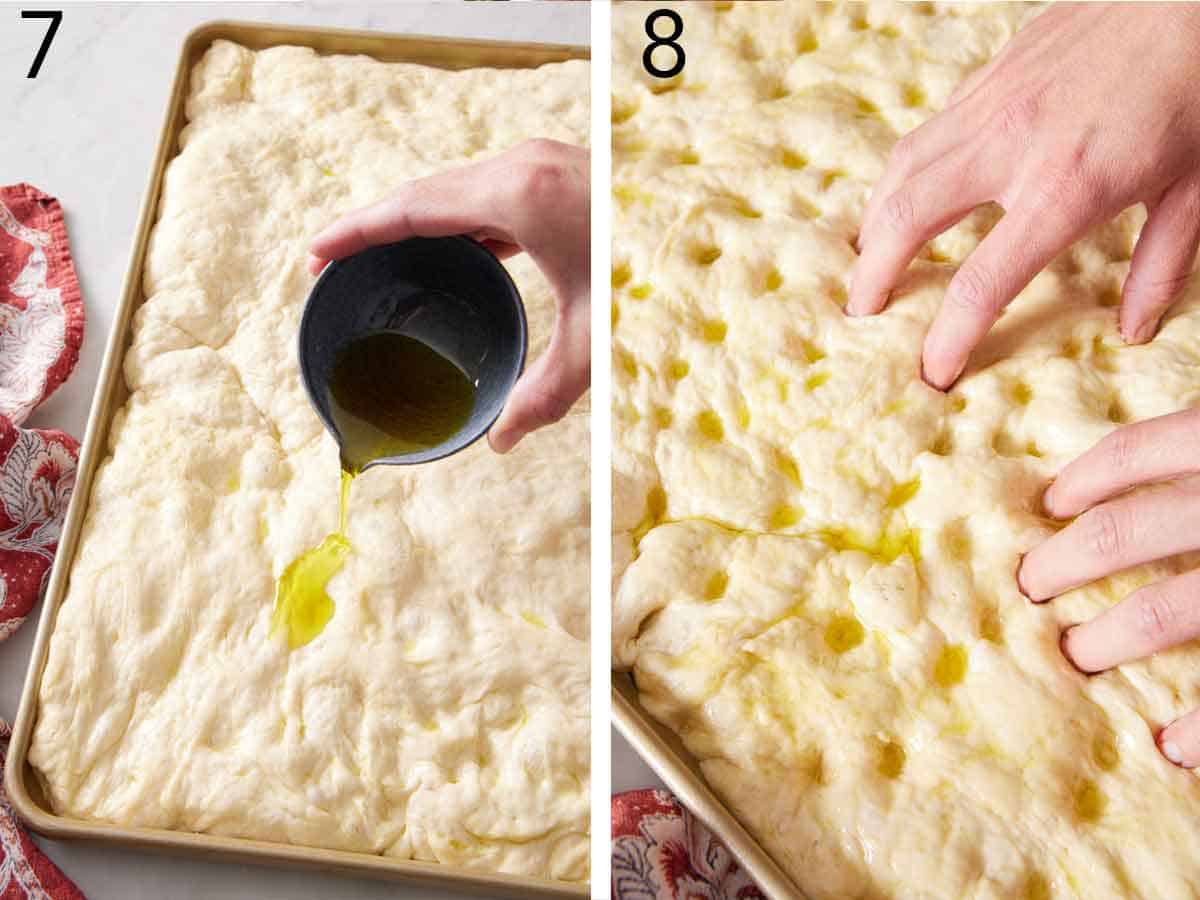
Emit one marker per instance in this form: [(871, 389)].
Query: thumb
[(550, 387), (1162, 260)]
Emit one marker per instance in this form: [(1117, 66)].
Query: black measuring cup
[(450, 293)]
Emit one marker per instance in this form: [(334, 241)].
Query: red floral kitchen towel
[(41, 331), (25, 872), (37, 473), (41, 311), (660, 851)]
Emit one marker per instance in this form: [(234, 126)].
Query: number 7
[(55, 17)]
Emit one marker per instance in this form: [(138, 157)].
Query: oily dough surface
[(443, 712), (815, 552)]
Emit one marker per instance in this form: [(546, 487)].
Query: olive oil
[(844, 633), (302, 604), (393, 394), (390, 394)]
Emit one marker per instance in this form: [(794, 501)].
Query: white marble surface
[(84, 130), (629, 772)]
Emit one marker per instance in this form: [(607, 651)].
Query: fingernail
[(1020, 585), (1064, 641), (1048, 500), (854, 306), (933, 381), (1145, 331), (501, 441), (1062, 645), (1172, 752), (851, 307), (1021, 588)]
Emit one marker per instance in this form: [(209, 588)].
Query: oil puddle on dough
[(302, 604)]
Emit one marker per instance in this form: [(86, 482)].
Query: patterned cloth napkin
[(25, 872), (660, 851), (41, 330)]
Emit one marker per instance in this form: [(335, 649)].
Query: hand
[(1116, 530), (1090, 109), (535, 197)]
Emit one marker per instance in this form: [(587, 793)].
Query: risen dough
[(815, 551), (443, 713)]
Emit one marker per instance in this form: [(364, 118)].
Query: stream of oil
[(390, 394)]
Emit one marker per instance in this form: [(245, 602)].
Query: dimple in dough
[(815, 552), (443, 712)]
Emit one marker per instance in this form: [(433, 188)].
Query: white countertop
[(85, 131), (628, 770)]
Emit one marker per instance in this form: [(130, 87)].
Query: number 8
[(667, 41)]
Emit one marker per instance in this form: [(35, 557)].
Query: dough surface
[(815, 552), (443, 712)]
